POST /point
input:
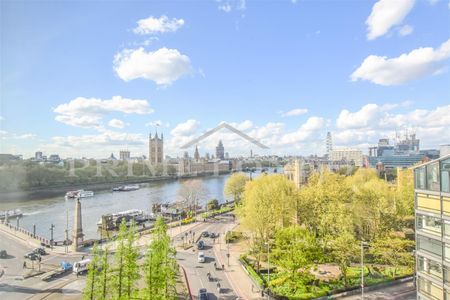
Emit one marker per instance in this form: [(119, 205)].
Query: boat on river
[(6, 214), (79, 194), (113, 221), (126, 188)]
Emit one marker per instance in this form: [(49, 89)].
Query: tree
[(160, 267), (92, 276), (296, 250), (344, 250), (190, 193), (213, 204), (125, 272), (103, 285), (394, 251), (235, 186), (266, 207)]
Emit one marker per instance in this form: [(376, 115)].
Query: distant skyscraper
[(220, 151), (124, 155), (329, 143), (156, 149), (38, 155), (196, 154)]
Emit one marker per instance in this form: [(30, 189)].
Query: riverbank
[(38, 193)]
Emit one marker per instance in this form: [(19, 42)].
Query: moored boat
[(126, 188), (79, 194), (6, 214)]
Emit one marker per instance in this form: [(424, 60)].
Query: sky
[(83, 78)]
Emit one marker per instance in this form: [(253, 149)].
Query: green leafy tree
[(344, 249), (235, 186), (394, 251), (103, 285), (160, 267), (213, 204), (295, 250), (125, 272), (266, 207), (92, 276)]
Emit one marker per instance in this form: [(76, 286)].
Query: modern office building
[(432, 210), (347, 155)]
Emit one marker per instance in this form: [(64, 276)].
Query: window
[(445, 175), (433, 177), (429, 289), (419, 175), (430, 267), (430, 245), (429, 224), (447, 229)]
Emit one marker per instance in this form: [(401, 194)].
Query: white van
[(201, 257), (81, 266)]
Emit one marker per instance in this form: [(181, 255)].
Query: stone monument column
[(77, 236)]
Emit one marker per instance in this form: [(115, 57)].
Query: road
[(12, 282), (197, 272)]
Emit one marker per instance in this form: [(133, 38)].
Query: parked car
[(3, 254), (40, 251), (200, 245), (202, 294), (201, 257), (205, 234), (32, 256), (213, 235)]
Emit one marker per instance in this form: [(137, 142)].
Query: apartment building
[(432, 210)]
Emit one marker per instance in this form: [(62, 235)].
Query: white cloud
[(5, 135), (243, 126), (162, 24), (163, 66), (394, 71), (405, 30), (229, 5), (116, 123), (305, 132), (359, 119), (225, 7), (295, 112), (385, 14), (88, 112), (186, 129)]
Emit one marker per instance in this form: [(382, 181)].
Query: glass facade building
[(432, 211)]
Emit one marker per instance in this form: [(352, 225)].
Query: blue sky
[(91, 78)]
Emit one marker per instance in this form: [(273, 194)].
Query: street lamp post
[(363, 244), (51, 235), (268, 269), (18, 218)]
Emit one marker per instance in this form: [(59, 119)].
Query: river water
[(49, 211)]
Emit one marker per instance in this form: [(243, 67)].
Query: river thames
[(45, 212)]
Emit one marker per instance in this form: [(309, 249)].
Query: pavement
[(403, 291)]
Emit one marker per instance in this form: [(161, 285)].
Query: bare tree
[(190, 193)]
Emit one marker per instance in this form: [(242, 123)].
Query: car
[(3, 254), (202, 294), (40, 251), (205, 234), (201, 257), (32, 256), (213, 235), (200, 245)]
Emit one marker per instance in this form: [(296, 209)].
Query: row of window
[(433, 177), (433, 225), (432, 290)]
